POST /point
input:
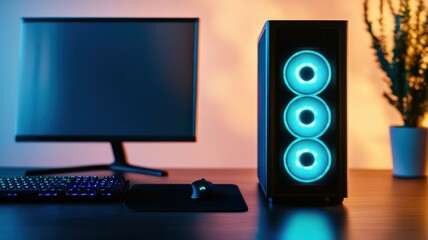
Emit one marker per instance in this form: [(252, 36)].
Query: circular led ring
[(307, 117), (307, 72), (302, 172)]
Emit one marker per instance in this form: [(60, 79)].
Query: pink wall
[(227, 119)]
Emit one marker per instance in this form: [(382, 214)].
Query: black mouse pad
[(176, 198)]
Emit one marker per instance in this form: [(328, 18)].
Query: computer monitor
[(107, 79)]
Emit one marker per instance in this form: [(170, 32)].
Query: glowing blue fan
[(307, 160), (307, 72), (307, 117)]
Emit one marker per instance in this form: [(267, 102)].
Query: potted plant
[(406, 73)]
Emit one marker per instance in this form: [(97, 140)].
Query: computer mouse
[(202, 189)]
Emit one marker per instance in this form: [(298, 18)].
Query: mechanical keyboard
[(62, 188)]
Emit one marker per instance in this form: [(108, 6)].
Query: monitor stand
[(119, 164)]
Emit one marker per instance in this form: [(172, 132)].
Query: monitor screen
[(107, 79)]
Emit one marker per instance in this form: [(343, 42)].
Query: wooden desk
[(378, 207)]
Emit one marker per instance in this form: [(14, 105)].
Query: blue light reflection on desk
[(291, 222), (307, 224)]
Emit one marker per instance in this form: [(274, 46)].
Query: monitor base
[(120, 164)]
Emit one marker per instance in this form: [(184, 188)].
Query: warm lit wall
[(227, 119)]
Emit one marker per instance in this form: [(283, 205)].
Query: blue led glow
[(316, 107), (293, 160), (317, 65), (309, 224)]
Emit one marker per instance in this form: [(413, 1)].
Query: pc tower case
[(302, 143)]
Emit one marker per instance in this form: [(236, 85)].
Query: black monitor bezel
[(118, 138)]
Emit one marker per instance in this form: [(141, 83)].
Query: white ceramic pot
[(409, 151)]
